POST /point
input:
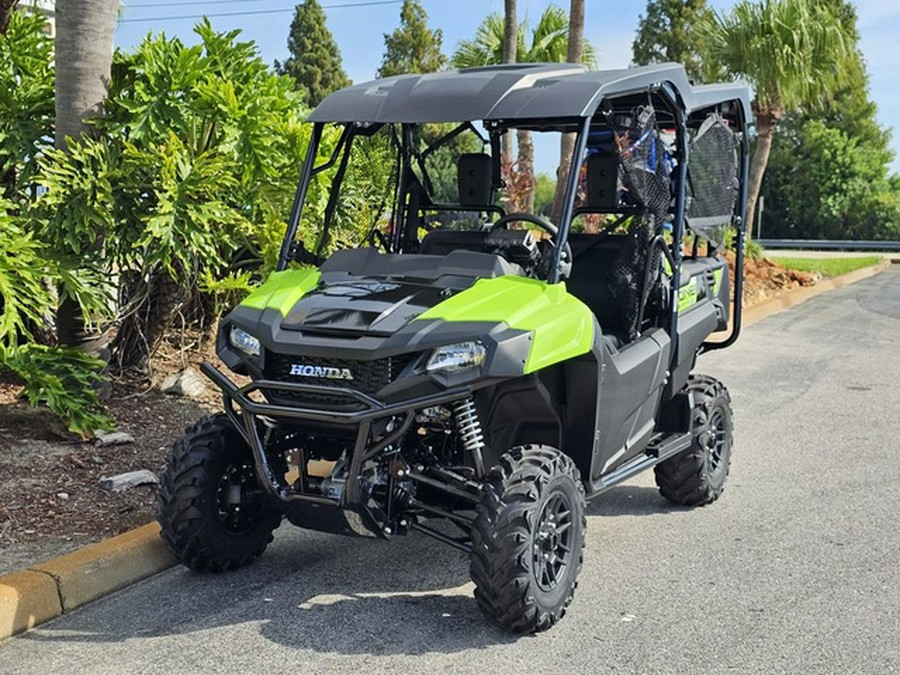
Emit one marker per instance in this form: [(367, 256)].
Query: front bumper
[(355, 512)]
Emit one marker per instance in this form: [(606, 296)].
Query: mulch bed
[(50, 494), (764, 279)]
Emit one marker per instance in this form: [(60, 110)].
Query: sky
[(359, 27)]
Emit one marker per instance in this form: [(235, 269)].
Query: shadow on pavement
[(309, 591), (323, 593), (631, 500)]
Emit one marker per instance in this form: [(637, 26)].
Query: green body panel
[(562, 326), (688, 293), (717, 280), (283, 289), (691, 289)]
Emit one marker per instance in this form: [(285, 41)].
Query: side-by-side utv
[(471, 371)]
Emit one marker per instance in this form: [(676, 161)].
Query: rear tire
[(528, 539), (213, 514), (696, 476)]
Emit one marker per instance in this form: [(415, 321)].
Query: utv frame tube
[(297, 207), (248, 411), (308, 171), (681, 137), (565, 215), (739, 244), (344, 145)]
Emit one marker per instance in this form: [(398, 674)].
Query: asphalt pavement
[(796, 569)]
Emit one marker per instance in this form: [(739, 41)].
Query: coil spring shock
[(468, 426)]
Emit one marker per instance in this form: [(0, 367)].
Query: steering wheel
[(542, 223)]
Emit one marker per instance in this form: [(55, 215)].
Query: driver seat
[(473, 178)]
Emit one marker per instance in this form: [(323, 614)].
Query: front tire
[(213, 515), (696, 477), (528, 539)]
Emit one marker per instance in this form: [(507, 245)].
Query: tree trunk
[(84, 47), (6, 9), (526, 167), (766, 121), (567, 143), (510, 42)]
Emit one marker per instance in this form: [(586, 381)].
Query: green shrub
[(189, 178), (26, 102), (173, 207), (62, 379)]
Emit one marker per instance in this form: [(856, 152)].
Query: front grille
[(369, 377)]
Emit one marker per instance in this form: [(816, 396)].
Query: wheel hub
[(238, 501), (716, 438), (552, 542)]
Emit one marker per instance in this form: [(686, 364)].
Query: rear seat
[(594, 280)]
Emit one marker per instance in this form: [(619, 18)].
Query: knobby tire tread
[(683, 479), (502, 538), (186, 503)]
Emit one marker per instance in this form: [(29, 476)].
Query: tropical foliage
[(413, 47), (823, 184), (667, 32), (827, 176), (32, 278), (547, 42), (172, 206), (26, 102), (58, 377), (795, 54), (198, 154)]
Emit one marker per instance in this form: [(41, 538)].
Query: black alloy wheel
[(696, 477), (528, 539)]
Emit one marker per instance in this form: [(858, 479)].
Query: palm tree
[(510, 45), (510, 31), (795, 54), (574, 54), (548, 44), (84, 49)]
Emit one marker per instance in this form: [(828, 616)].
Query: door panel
[(630, 388)]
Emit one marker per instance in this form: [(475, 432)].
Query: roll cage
[(536, 97)]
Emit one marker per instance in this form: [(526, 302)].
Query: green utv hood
[(282, 290), (323, 303), (562, 326)]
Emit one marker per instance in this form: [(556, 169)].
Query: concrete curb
[(50, 589)]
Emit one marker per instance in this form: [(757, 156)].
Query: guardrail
[(830, 244)]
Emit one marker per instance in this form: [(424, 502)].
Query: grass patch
[(828, 267)]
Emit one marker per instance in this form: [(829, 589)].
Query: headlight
[(453, 358), (241, 339)]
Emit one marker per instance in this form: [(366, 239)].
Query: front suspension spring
[(468, 426)]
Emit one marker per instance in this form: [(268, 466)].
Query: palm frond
[(548, 42), (793, 52)]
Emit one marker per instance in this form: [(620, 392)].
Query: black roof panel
[(520, 91)]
